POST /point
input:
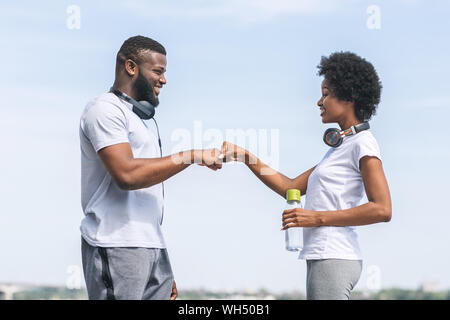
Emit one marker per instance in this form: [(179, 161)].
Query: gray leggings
[(331, 279)]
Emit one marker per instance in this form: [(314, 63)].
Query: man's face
[(150, 77)]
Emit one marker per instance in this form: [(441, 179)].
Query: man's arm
[(131, 174)]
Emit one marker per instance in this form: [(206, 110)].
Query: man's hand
[(174, 293), (232, 152), (209, 158)]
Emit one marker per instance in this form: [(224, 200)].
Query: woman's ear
[(350, 105)]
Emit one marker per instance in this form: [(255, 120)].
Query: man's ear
[(131, 68)]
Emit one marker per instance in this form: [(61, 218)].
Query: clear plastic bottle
[(293, 235)]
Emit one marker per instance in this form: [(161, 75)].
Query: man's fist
[(209, 158)]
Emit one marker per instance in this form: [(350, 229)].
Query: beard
[(144, 90)]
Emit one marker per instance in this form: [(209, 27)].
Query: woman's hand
[(301, 218), (232, 152)]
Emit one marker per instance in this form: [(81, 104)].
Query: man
[(122, 170)]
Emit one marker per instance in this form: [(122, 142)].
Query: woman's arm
[(378, 209), (270, 177)]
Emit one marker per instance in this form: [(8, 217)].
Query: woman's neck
[(347, 123)]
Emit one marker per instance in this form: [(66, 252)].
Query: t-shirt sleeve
[(367, 146), (104, 125)]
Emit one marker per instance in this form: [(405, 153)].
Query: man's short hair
[(134, 46)]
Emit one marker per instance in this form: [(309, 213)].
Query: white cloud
[(244, 11), (428, 102)]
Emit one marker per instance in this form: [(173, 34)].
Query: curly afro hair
[(352, 78)]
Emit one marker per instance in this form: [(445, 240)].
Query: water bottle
[(293, 235)]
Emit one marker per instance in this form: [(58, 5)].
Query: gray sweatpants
[(331, 279), (126, 273)]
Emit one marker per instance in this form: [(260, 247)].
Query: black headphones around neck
[(144, 109), (333, 137)]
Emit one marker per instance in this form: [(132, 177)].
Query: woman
[(334, 187)]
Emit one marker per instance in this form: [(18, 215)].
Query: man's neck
[(125, 88)]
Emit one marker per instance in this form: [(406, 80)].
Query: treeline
[(402, 294), (60, 293)]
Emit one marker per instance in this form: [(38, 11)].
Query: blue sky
[(231, 64)]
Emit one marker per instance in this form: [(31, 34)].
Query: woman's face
[(331, 108)]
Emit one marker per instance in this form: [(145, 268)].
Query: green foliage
[(61, 293), (51, 293), (401, 294)]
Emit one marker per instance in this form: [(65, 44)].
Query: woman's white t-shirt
[(336, 184)]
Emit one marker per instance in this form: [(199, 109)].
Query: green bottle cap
[(293, 194)]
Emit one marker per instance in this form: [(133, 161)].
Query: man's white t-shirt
[(116, 217), (336, 184)]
